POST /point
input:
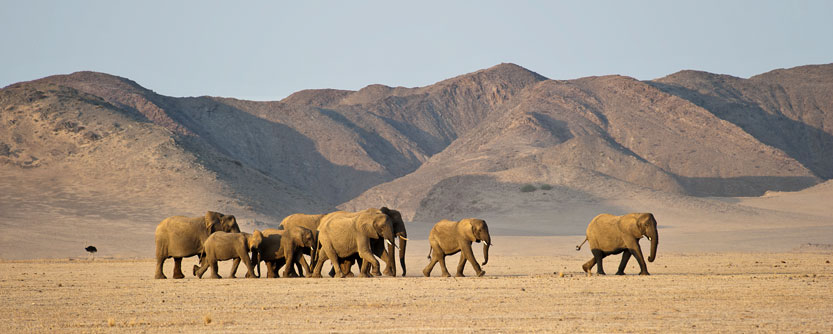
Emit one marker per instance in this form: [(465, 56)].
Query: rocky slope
[(88, 147)]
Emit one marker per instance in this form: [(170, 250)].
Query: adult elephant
[(180, 237), (342, 234), (283, 247), (609, 234), (449, 237), (308, 221), (378, 247)]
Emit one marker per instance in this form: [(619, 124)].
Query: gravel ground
[(716, 292)]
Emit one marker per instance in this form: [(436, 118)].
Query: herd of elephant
[(345, 238)]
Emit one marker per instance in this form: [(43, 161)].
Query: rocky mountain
[(88, 147)]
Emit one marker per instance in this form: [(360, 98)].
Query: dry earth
[(704, 292)]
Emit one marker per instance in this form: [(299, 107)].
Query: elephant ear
[(212, 218), (642, 222), (385, 210), (256, 239), (468, 229)]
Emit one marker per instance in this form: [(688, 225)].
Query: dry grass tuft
[(111, 322), (207, 319)]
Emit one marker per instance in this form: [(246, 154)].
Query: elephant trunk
[(402, 243), (485, 254), (256, 260), (654, 242)]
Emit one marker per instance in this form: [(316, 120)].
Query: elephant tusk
[(404, 238)]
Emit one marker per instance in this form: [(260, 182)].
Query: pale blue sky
[(268, 50)]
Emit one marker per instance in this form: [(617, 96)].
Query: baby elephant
[(448, 238), (281, 247), (221, 246)]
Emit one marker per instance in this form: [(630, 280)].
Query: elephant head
[(480, 232), (215, 221), (379, 225), (648, 227), (253, 245), (398, 231)]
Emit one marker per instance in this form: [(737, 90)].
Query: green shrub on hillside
[(528, 188)]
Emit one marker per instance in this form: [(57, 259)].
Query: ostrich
[(90, 249)]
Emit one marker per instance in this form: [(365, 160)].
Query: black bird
[(91, 249)]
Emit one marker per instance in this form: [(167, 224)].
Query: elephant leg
[(234, 266), (347, 265), (316, 272), (200, 270), (332, 255), (587, 266), (270, 269), (461, 265), (159, 274), (637, 253), (434, 259), (390, 263), (178, 268), (599, 255), (288, 271), (443, 267), (626, 255), (366, 254), (214, 267), (304, 268), (467, 252)]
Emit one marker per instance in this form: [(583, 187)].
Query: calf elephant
[(609, 234), (179, 237), (342, 234), (281, 247), (449, 237), (221, 246), (309, 222)]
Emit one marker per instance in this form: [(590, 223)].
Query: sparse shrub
[(207, 319), (528, 188), (546, 186)]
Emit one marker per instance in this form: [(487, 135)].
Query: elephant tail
[(578, 248), (430, 250)]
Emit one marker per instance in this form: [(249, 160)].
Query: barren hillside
[(102, 155)]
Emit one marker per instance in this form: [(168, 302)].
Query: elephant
[(342, 234), (378, 247), (449, 237), (180, 237), (307, 221), (609, 234), (281, 247), (221, 246)]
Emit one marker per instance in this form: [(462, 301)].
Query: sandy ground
[(687, 292)]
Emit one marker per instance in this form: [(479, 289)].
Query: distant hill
[(91, 147)]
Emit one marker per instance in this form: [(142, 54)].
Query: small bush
[(527, 188), (546, 186)]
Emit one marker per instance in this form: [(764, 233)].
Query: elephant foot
[(481, 273), (364, 275), (178, 276), (425, 272), (389, 272), (459, 275), (586, 268), (377, 273), (318, 275), (403, 273), (194, 271), (446, 275), (620, 273), (644, 273), (349, 274), (159, 276), (601, 273), (215, 277)]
